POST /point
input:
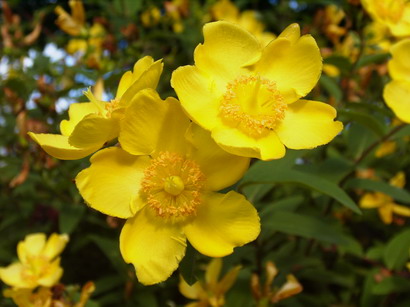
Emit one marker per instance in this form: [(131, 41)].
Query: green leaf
[(392, 284), (340, 62), (69, 217), (331, 86), (364, 119), (187, 267), (372, 58), (305, 226), (280, 172), (379, 186), (396, 252)]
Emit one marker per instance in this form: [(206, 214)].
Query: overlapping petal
[(152, 246), (76, 112), (55, 245), (111, 184), (399, 65), (12, 276), (223, 221), (397, 96), (32, 245)]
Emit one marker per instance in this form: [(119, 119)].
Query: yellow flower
[(377, 37), (395, 14), (386, 148), (38, 265), (92, 124), (266, 294), (397, 92), (211, 291), (384, 203), (248, 96), (72, 24), (151, 17), (162, 181)]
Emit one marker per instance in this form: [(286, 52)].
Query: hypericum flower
[(266, 293), (248, 20), (39, 263), (211, 291), (163, 181), (384, 203), (395, 14), (397, 92), (92, 124), (248, 96), (73, 24)]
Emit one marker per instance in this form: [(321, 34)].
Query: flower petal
[(152, 246), (220, 168), (199, 95), (53, 274), (12, 276), (193, 292), (308, 124), (372, 200), (32, 245), (226, 50), (401, 210), (212, 272), (151, 124), (397, 96), (57, 145), (55, 245), (399, 65), (386, 213), (236, 142), (112, 182), (76, 112), (295, 66), (223, 221)]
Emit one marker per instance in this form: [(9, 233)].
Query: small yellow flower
[(162, 180), (386, 148), (397, 92), (151, 17), (268, 294), (38, 262), (73, 24), (248, 96), (395, 14), (377, 37), (210, 292), (384, 203), (93, 123)]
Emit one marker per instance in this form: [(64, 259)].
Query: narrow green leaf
[(69, 217), (396, 252), (392, 284), (111, 250), (331, 86), (372, 58), (364, 119)]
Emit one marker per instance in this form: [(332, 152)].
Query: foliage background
[(311, 224)]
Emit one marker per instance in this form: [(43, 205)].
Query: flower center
[(252, 104), (35, 268), (111, 107), (390, 10), (173, 185)]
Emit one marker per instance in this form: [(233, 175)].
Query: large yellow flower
[(38, 265), (92, 124), (384, 203), (395, 14), (163, 181), (397, 92), (248, 96)]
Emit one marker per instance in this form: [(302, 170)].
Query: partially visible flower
[(73, 24), (176, 10), (248, 20), (163, 181), (397, 92), (377, 37), (384, 203), (386, 148), (94, 123), (395, 14), (267, 293), (330, 20), (151, 16), (39, 264), (248, 97), (211, 291), (48, 297)]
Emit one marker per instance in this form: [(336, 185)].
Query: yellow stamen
[(252, 104), (173, 186)]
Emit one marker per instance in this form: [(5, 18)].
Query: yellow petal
[(223, 221), (401, 210), (372, 200), (32, 245), (12, 276), (152, 246), (228, 280), (294, 66), (236, 142), (77, 11), (386, 213), (148, 79), (76, 112), (397, 96), (212, 272), (151, 124), (53, 275), (399, 65), (226, 50), (192, 292), (94, 130), (308, 124), (57, 146), (290, 288), (55, 245), (199, 95), (399, 180), (112, 182), (292, 33)]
